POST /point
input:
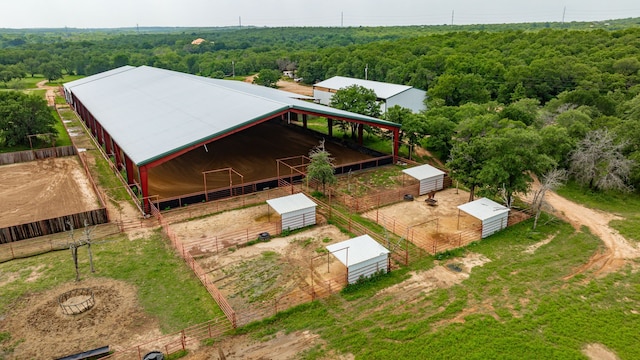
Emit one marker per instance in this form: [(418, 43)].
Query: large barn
[(160, 124), (388, 94)]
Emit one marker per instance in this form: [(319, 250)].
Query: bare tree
[(87, 240), (550, 181), (73, 246), (599, 163)]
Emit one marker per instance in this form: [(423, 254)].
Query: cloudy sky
[(129, 13)]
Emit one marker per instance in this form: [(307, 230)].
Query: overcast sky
[(197, 13)]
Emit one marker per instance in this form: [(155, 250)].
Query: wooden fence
[(52, 226), (36, 154), (44, 244)]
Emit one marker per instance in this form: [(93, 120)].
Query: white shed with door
[(297, 211), (363, 257), (431, 178), (494, 216)]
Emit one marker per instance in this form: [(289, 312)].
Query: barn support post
[(396, 144), (330, 127), (360, 133), (107, 142), (304, 121), (144, 184), (129, 166)]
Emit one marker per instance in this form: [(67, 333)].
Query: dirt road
[(618, 249)]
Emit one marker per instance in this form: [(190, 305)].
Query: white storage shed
[(431, 178), (297, 210), (363, 257), (494, 216)]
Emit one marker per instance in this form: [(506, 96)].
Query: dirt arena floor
[(44, 189), (251, 153)]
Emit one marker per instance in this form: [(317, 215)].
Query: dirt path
[(50, 95), (618, 249)]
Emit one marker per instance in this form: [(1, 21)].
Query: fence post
[(182, 339), (13, 256)]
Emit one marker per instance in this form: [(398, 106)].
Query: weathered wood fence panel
[(38, 154), (52, 226)]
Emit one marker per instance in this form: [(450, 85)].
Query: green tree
[(466, 162), (440, 130), (267, 77), (51, 70), (321, 166), (22, 115), (357, 99)]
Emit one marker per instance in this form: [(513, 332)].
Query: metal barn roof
[(153, 112), (483, 209), (291, 203), (383, 90), (361, 248), (423, 172)]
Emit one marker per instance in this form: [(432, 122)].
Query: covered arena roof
[(383, 90), (152, 113)]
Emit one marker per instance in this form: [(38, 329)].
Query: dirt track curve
[(618, 249)]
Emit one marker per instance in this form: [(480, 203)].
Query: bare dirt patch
[(446, 275), (44, 189), (280, 346), (618, 250), (43, 331), (599, 352), (417, 214), (532, 248)]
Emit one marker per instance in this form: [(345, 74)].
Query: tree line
[(493, 91)]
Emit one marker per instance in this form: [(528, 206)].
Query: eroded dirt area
[(40, 330)]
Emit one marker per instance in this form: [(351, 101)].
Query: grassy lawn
[(625, 205), (167, 289), (515, 307)]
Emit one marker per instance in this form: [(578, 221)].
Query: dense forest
[(546, 94)]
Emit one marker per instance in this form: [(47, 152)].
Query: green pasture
[(517, 306), (167, 288)]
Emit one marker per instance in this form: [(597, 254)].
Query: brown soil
[(44, 189), (280, 346), (116, 320), (418, 215), (618, 250), (244, 152), (294, 87), (51, 92), (599, 352)]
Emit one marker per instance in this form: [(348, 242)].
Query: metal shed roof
[(361, 248), (291, 203), (483, 209), (152, 112), (423, 172), (383, 90)]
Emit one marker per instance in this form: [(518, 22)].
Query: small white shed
[(363, 256), (297, 210), (494, 216), (431, 178)]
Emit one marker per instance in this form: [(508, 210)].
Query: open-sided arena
[(44, 189), (166, 129), (251, 153)]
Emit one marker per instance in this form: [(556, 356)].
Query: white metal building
[(494, 216), (431, 178), (388, 94), (363, 257), (297, 210)]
